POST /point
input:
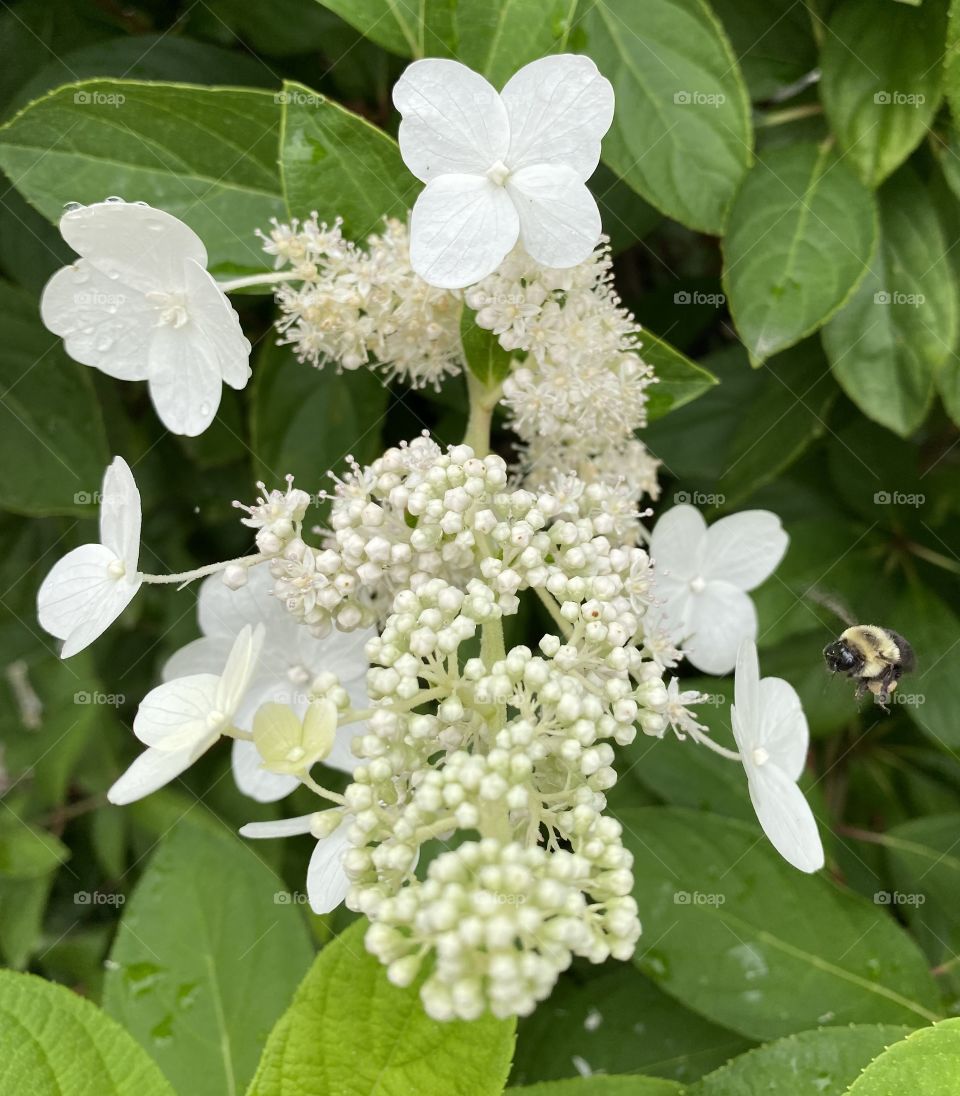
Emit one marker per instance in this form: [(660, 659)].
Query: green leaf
[(165, 57), (923, 1064), (305, 421), (51, 429), (617, 1021), (206, 155), (784, 951), (772, 40), (351, 1032), (788, 413), (634, 1085), (685, 776), (951, 60), (925, 862), (498, 37), (486, 358), (801, 231), (398, 27), (882, 80), (929, 694), (205, 960), (900, 326), (27, 852), (23, 902), (681, 101), (55, 1043), (824, 1061), (679, 380), (340, 165)]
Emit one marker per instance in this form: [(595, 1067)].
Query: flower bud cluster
[(517, 749), (503, 919), (356, 306), (419, 512)]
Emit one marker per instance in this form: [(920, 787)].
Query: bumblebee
[(876, 658)]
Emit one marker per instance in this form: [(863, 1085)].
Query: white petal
[(342, 653), (150, 771), (341, 757), (79, 600), (746, 695), (745, 548), (103, 323), (786, 818), (719, 619), (678, 542), (461, 229), (136, 244), (559, 108), (184, 378), (280, 827), (327, 883), (239, 669), (782, 727), (559, 220), (120, 514), (453, 120), (254, 780), (223, 612), (180, 714), (211, 310), (201, 656)]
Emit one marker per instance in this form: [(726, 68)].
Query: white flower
[(772, 737), (701, 579), (139, 305), (180, 720), (499, 167), (327, 882), (89, 588), (292, 658)]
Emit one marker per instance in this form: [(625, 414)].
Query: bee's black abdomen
[(908, 660)]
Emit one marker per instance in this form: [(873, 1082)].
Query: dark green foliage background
[(759, 217)]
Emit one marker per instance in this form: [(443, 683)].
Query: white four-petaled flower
[(499, 167), (772, 736), (180, 720), (89, 588), (701, 579), (139, 305), (291, 659)]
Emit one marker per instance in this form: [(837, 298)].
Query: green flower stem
[(308, 780), (483, 400), (259, 279)]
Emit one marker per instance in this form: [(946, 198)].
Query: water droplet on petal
[(72, 207), (204, 408), (115, 200)]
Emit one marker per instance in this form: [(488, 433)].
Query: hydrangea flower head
[(772, 737), (89, 588), (502, 167), (139, 305)]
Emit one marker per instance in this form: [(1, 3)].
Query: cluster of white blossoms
[(473, 830), (581, 386), (354, 306)]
